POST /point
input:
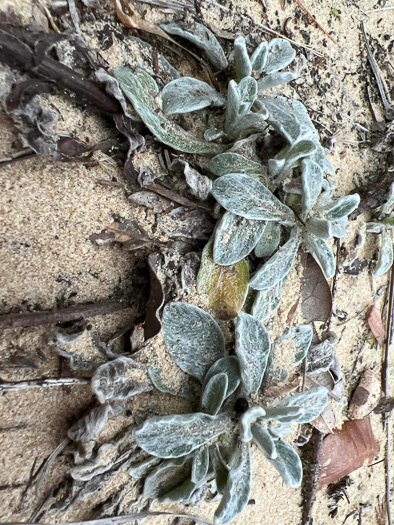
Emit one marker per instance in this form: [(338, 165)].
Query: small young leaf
[(201, 37), (199, 184), (243, 66), (200, 465), (259, 57), (322, 253), (278, 266), (246, 125), (249, 198), (235, 238), (339, 227), (176, 436), (238, 487), (219, 467), (267, 301), (247, 420), (264, 441), (226, 163), (290, 156), (280, 55), (288, 464), (226, 286), (185, 94), (192, 337), (312, 403), (248, 92), (312, 179), (385, 260), (301, 336), (276, 79), (319, 227), (233, 103), (214, 394), (269, 241), (113, 380), (141, 469), (228, 365), (343, 207), (141, 89), (165, 477), (252, 346)]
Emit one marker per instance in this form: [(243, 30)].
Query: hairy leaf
[(278, 266), (248, 93), (233, 103), (259, 57), (385, 260), (141, 90), (246, 125), (114, 380), (226, 286), (185, 94), (141, 469), (249, 198), (290, 156), (284, 414), (322, 253), (288, 464), (312, 179), (282, 118), (214, 393), (235, 238), (279, 430), (181, 493), (269, 241), (175, 436), (301, 336), (275, 79), (343, 207), (201, 37), (226, 163), (200, 465), (267, 301), (228, 365), (247, 420), (264, 441), (280, 55), (238, 487), (319, 227), (243, 66), (339, 227), (165, 477), (312, 403), (252, 346)]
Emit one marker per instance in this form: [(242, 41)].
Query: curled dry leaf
[(366, 396), (316, 302), (346, 450), (375, 324), (127, 233)]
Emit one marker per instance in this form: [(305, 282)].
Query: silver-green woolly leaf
[(288, 464), (226, 163), (180, 494), (141, 90), (267, 301), (247, 420), (214, 393), (301, 337), (290, 156), (233, 103), (176, 436), (228, 365), (248, 93), (259, 57), (311, 402), (319, 227), (264, 441), (282, 119), (192, 337), (185, 94), (312, 179), (246, 125), (339, 227), (275, 79), (322, 253), (243, 66), (343, 207), (201, 37), (141, 469), (200, 465), (269, 241), (252, 346), (279, 430), (238, 487), (278, 266), (235, 238), (219, 467), (166, 476), (385, 260), (284, 414), (249, 198), (280, 55)]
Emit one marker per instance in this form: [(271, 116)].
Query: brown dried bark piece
[(375, 324), (346, 450)]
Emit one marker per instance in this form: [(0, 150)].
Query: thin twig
[(49, 461), (313, 19), (9, 386), (310, 482), (379, 10), (72, 313)]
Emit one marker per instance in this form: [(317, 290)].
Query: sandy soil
[(49, 210)]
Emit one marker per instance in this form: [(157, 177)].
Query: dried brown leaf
[(128, 233), (375, 324), (316, 302), (366, 396), (346, 450)]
